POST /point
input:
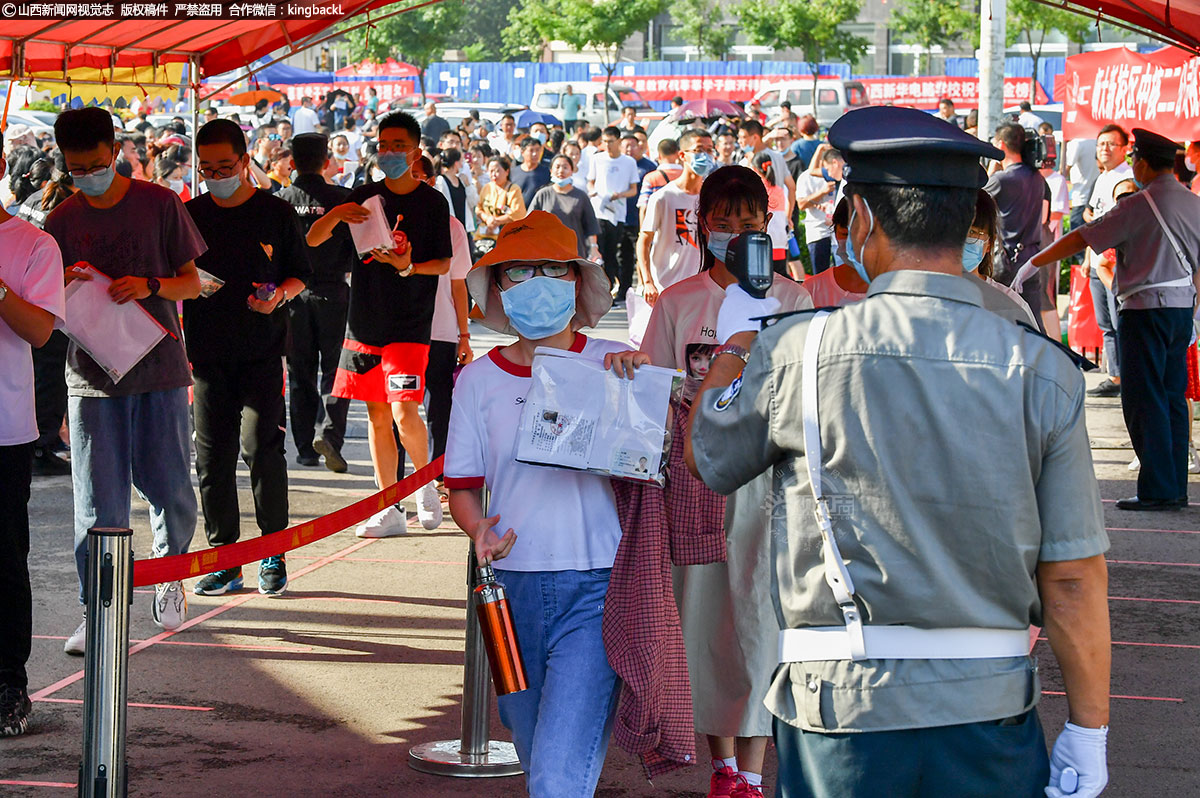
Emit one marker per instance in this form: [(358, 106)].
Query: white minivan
[(548, 97), (834, 98)]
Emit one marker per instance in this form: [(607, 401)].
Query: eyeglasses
[(218, 173), (274, 137), (519, 274), (95, 170)]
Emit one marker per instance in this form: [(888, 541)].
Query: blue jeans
[(143, 440), (820, 253), (1105, 305), (561, 724)]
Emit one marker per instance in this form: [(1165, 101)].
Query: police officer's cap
[(907, 147), (1147, 144), (309, 145)]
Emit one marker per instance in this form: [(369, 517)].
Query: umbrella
[(706, 109), (530, 117), (256, 96), (330, 97)]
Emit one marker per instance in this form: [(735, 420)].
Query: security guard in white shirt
[(1156, 233), (906, 598)]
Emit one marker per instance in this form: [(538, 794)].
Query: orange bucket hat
[(537, 238)]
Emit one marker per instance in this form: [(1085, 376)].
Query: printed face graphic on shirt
[(698, 358), (685, 225)]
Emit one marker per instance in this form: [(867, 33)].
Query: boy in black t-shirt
[(235, 340), (392, 296)]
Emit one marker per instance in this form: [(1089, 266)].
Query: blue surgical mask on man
[(852, 255), (718, 244), (96, 183), (394, 165), (972, 254), (703, 163), (540, 306), (539, 136)]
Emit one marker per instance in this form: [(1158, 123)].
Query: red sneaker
[(723, 783), (743, 789)]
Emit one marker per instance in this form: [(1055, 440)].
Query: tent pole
[(194, 88)]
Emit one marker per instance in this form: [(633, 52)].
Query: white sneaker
[(387, 523), (429, 506), (169, 608), (1193, 459), (1135, 463), (77, 643)]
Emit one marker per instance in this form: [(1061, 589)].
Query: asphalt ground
[(324, 690)]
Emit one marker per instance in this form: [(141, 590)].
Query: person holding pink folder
[(135, 432)]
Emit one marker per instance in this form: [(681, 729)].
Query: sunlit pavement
[(323, 691)]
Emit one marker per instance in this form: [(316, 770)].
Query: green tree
[(932, 23), (482, 29), (598, 25), (810, 25), (419, 37), (1028, 19), (701, 23)]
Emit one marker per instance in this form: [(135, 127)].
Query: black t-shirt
[(311, 197), (31, 209), (386, 308), (458, 200), (258, 241), (530, 182)]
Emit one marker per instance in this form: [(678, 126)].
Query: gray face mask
[(223, 188), (97, 183)]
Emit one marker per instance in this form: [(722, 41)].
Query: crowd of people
[(258, 280)]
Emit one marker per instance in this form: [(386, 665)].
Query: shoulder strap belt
[(836, 574), (1182, 281), (854, 641)]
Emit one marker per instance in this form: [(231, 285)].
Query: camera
[(1038, 152)]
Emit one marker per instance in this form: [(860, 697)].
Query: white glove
[(1078, 763), (1026, 271), (737, 311)]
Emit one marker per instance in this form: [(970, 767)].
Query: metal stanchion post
[(473, 755), (109, 592)]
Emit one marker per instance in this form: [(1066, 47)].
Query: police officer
[(946, 453), (318, 315), (1156, 233)]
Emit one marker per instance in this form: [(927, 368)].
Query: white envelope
[(374, 233), (116, 336)]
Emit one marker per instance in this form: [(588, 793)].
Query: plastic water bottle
[(264, 292)]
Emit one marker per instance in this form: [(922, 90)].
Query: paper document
[(638, 311), (580, 415), (116, 336), (374, 233)]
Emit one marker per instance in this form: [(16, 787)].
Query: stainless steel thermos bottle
[(499, 635)]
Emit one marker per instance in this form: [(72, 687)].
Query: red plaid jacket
[(683, 524)]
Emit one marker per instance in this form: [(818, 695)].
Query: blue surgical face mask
[(718, 244), (394, 165), (563, 181), (748, 149), (703, 164), (540, 136), (95, 184), (223, 188), (1136, 182), (972, 254), (539, 307), (854, 257), (839, 254)]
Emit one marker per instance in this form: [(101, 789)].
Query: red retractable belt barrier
[(184, 566)]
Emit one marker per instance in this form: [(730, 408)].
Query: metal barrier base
[(445, 758)]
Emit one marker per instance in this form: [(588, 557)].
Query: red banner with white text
[(386, 90), (1159, 91), (927, 92)]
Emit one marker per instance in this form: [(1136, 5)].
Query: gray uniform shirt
[(956, 458), (1147, 256)]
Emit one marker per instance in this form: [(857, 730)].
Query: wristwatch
[(733, 349), (153, 285), (3, 291), (407, 271)]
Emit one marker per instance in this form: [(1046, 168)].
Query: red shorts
[(393, 373)]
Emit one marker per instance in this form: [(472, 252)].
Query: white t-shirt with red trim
[(445, 318), (565, 520)]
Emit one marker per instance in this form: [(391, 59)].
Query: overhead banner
[(699, 87), (927, 92), (1159, 91)]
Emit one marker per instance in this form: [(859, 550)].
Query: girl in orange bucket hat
[(562, 526)]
